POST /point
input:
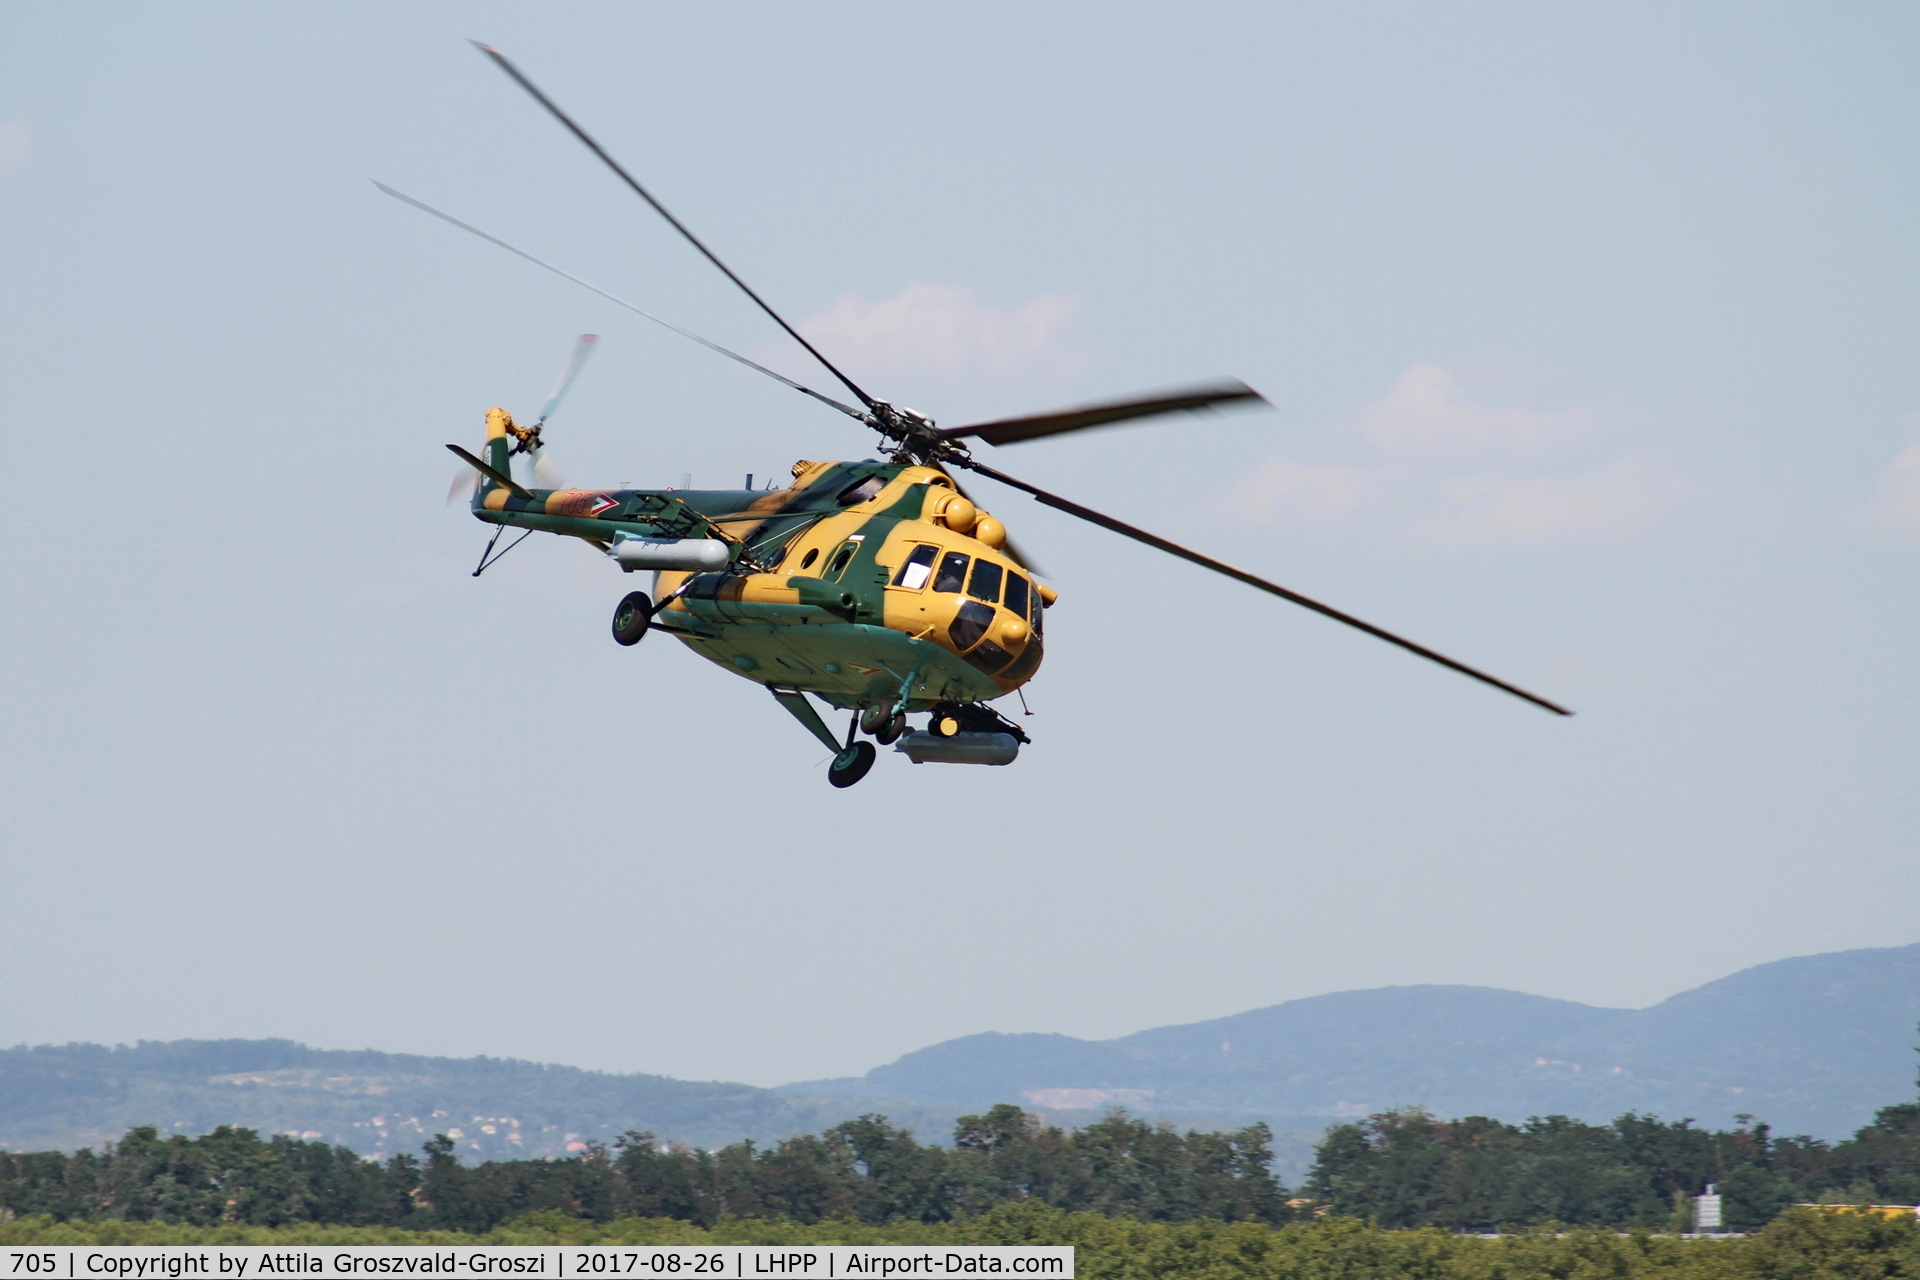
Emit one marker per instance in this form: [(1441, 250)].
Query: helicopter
[(878, 587)]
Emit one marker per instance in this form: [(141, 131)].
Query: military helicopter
[(878, 587)]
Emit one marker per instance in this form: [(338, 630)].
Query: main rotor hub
[(919, 440)]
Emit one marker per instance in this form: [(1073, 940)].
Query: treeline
[(863, 1170), (1401, 1169), (1408, 1169)]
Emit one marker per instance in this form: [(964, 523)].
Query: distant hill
[(1812, 1045), (67, 1096)]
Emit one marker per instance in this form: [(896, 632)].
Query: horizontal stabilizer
[(489, 472)]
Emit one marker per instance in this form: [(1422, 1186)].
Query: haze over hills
[(378, 1103), (1813, 1044)]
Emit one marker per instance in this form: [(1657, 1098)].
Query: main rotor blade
[(661, 209), (1241, 575), (583, 347), (1108, 412), (781, 378)]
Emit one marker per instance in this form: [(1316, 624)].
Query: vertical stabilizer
[(499, 446)]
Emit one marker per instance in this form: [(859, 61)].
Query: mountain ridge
[(1809, 1044)]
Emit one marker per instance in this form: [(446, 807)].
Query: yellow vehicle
[(877, 587), (1869, 1210)]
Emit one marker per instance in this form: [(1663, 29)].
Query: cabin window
[(918, 568), (838, 565), (953, 572), (986, 581), (1016, 598), (806, 561)]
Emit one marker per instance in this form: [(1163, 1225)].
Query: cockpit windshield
[(953, 572), (985, 584), (1016, 600)]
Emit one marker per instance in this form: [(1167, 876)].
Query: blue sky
[(1590, 334)]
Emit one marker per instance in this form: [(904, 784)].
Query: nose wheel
[(851, 765)]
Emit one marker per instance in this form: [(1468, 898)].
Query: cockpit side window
[(986, 581), (1016, 597), (953, 572), (919, 567)]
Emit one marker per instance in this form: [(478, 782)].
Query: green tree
[(1006, 1154), (896, 1178)]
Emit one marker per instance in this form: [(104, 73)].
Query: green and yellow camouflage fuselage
[(861, 582)]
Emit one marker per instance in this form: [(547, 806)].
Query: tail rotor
[(544, 471), (528, 440)]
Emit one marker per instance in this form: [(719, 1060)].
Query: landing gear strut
[(851, 759), (883, 722)]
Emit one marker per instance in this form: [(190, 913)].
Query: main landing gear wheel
[(631, 617), (878, 719), (851, 765)]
